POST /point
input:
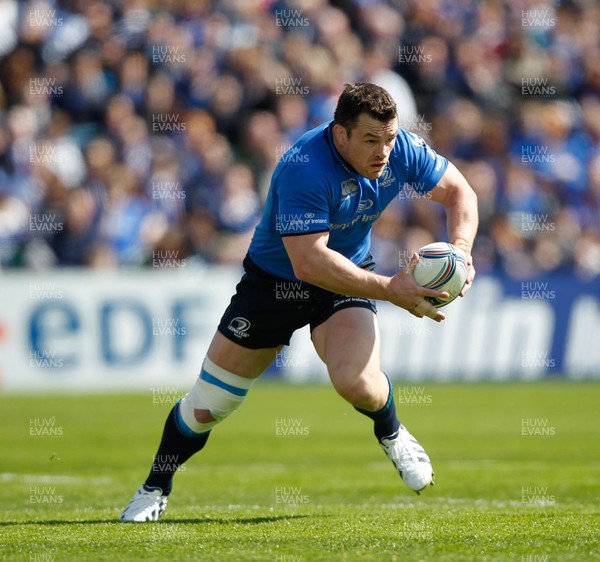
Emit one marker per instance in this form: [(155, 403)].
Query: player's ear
[(340, 134)]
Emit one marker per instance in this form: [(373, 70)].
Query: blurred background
[(138, 137)]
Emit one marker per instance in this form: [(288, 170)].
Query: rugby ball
[(443, 267)]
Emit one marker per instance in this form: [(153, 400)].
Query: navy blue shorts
[(266, 310)]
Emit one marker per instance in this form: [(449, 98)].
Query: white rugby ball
[(443, 267)]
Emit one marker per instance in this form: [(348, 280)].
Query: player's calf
[(385, 421)]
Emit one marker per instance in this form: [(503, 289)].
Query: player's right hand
[(406, 293)]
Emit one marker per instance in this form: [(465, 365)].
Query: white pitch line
[(53, 479)]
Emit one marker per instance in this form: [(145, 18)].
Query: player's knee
[(203, 416), (216, 394), (359, 391)]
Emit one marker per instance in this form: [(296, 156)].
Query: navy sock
[(174, 449), (385, 421)]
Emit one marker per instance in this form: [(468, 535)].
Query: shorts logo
[(239, 326)]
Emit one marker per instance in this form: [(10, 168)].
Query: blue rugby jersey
[(313, 189)]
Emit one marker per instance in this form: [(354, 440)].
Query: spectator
[(155, 126)]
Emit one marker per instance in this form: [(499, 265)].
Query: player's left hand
[(470, 275)]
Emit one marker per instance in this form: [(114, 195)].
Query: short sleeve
[(303, 204), (425, 167)]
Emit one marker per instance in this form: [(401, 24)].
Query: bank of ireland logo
[(349, 188), (387, 178), (239, 326)]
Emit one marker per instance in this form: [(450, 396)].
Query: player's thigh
[(348, 343), (240, 360)]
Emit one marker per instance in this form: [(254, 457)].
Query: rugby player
[(325, 195)]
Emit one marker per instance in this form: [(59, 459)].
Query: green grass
[(500, 495)]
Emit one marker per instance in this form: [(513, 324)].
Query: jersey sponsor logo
[(239, 326), (387, 178), (365, 205), (345, 300), (350, 188), (359, 218)]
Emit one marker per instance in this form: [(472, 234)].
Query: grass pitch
[(296, 475)]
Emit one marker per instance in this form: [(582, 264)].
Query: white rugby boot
[(409, 458), (145, 506)]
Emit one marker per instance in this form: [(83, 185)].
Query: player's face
[(369, 145)]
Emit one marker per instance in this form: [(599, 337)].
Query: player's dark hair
[(363, 98)]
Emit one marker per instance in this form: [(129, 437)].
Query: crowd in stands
[(137, 129)]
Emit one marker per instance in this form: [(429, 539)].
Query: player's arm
[(460, 202), (314, 262)]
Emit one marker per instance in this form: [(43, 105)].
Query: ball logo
[(443, 267), (309, 215), (239, 326)]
